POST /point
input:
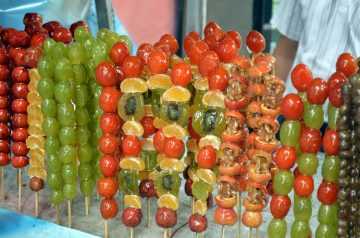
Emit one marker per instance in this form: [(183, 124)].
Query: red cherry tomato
[(148, 124), (296, 172), (132, 67), (310, 140), (280, 206), (346, 64), (19, 105), (20, 75), (173, 147), (327, 193), (63, 35), (107, 187), (76, 25), (108, 144), (227, 50), (255, 41), (105, 74), (4, 146), (3, 102), (335, 82), (109, 99), (4, 131), (4, 88), (143, 52), (208, 62), (109, 165), (158, 141), (19, 161), (4, 72), (109, 208), (213, 39), (190, 40), (131, 146), (303, 185), (119, 52), (158, 62), (4, 159), (109, 123), (19, 134), (19, 148), (32, 17), (331, 142), (317, 91), (218, 79), (236, 37), (20, 90), (292, 107), (196, 51), (301, 77), (285, 157), (211, 27), (206, 157), (4, 115), (171, 40), (181, 74), (19, 39)]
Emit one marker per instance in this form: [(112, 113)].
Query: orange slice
[(206, 175), (175, 130), (201, 84), (214, 99), (176, 94), (212, 140), (34, 97), (168, 201), (159, 123), (133, 128), (34, 142), (172, 164), (133, 85), (34, 109), (159, 81), (132, 201), (38, 172), (193, 175), (191, 145), (200, 207), (132, 163), (147, 144)]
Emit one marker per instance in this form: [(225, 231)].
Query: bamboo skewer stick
[(69, 214), (132, 235), (106, 235), (148, 206), (37, 204), (257, 232), (19, 187), (250, 233), (2, 183), (222, 231), (58, 219), (165, 233), (239, 213), (86, 205), (169, 232)]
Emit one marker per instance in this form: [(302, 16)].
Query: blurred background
[(147, 20)]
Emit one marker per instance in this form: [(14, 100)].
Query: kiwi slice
[(167, 182), (128, 181)]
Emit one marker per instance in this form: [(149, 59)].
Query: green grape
[(67, 154), (88, 45), (97, 92), (290, 133), (198, 99), (64, 92), (55, 181), (90, 68), (96, 169), (69, 173), (82, 116), (330, 168), (333, 115), (110, 40), (85, 153), (66, 114), (64, 70), (58, 51), (102, 34), (326, 231), (149, 158), (85, 171), (81, 33), (53, 163), (82, 135), (81, 95), (155, 101), (50, 126), (127, 41), (46, 88), (80, 75), (128, 181), (302, 208), (87, 186), (308, 164), (70, 191), (99, 52), (67, 135), (48, 44), (76, 53), (98, 113), (277, 228), (52, 145), (303, 97), (57, 197), (206, 121), (200, 190), (93, 87), (300, 229), (327, 214), (96, 152), (283, 182), (48, 107), (46, 67), (314, 116), (93, 103)]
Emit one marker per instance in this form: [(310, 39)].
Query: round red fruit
[(181, 74), (158, 62), (19, 134), (144, 51), (108, 165), (209, 61), (190, 40), (236, 37), (19, 105), (147, 188), (346, 64), (303, 185), (19, 161), (63, 35), (132, 67), (148, 124), (196, 51), (131, 217), (292, 107), (20, 75), (19, 148), (331, 142), (108, 144), (218, 79), (206, 157), (109, 208), (20, 90), (197, 223), (109, 123), (310, 140), (159, 141), (4, 131), (36, 184), (105, 74), (107, 187), (4, 159), (166, 217), (317, 91), (119, 52), (301, 77), (173, 147), (211, 27), (327, 193), (285, 157), (171, 40), (255, 41), (109, 99), (280, 206), (227, 50), (131, 146), (4, 146)]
